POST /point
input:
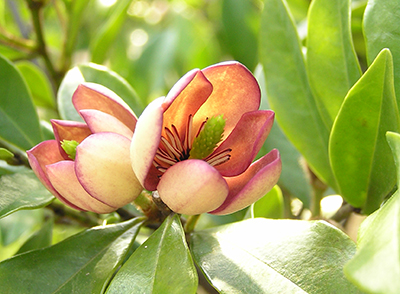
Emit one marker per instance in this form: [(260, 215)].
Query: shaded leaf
[(360, 154), (162, 264), (83, 263), (22, 191), (274, 256), (19, 123)]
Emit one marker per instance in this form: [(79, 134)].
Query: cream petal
[(62, 176), (99, 122), (98, 97), (235, 92), (104, 170), (145, 142), (253, 184), (246, 139), (192, 187)]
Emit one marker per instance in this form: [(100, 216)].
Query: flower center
[(69, 147), (174, 148)]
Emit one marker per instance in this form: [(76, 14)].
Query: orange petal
[(235, 92), (245, 141), (253, 184), (192, 187), (94, 96)]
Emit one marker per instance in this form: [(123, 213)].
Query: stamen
[(164, 159), (172, 151), (188, 135), (219, 158)]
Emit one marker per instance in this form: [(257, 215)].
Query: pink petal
[(192, 187), (235, 92), (42, 155), (94, 96), (69, 130), (99, 122), (187, 95), (253, 184), (62, 176), (145, 142), (245, 141), (103, 168)]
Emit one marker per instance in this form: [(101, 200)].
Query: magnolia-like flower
[(195, 146), (88, 165)]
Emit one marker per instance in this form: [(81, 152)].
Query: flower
[(99, 177), (225, 180)]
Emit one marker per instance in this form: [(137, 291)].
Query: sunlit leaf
[(274, 256), (83, 263), (19, 123), (162, 264), (22, 191), (360, 155), (269, 206)]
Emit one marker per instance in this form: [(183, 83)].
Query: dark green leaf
[(162, 264), (360, 155), (22, 191), (95, 74), (331, 60), (83, 263), (289, 93), (19, 123), (274, 256)]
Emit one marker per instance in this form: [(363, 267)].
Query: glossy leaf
[(269, 206), (360, 155), (95, 74), (162, 264), (19, 123), (294, 177), (6, 169), (38, 84), (83, 263), (274, 256), (289, 93), (5, 154), (22, 191), (332, 63), (376, 266), (381, 30)]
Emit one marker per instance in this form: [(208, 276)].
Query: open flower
[(88, 165), (195, 146)]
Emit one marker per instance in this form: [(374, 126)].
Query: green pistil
[(205, 143), (69, 147)]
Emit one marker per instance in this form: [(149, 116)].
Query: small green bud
[(69, 147), (205, 143)]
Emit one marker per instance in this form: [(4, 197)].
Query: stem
[(63, 212), (318, 193), (20, 44), (191, 223)]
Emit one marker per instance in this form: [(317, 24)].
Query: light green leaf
[(274, 256), (83, 263), (376, 266), (360, 155), (5, 154), (22, 191), (95, 74), (162, 264), (331, 59), (6, 169), (381, 30), (289, 93), (19, 123), (38, 84), (269, 206)]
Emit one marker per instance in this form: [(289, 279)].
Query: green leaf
[(289, 93), (95, 74), (294, 177), (381, 30), (360, 156), (19, 123), (376, 266), (22, 191), (38, 84), (41, 238), (269, 206), (240, 21), (83, 263), (274, 256), (108, 32), (162, 264), (6, 169), (331, 59), (5, 154)]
